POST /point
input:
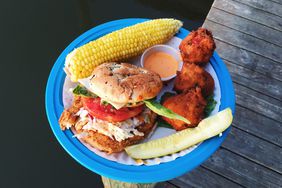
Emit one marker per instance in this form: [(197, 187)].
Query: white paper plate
[(159, 132)]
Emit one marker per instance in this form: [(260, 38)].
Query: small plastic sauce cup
[(162, 59)]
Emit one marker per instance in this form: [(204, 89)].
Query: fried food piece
[(190, 104), (106, 144), (191, 76), (197, 47), (68, 117)]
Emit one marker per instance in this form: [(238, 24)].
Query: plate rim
[(114, 170)]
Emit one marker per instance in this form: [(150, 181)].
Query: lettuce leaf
[(82, 91), (211, 103), (163, 123), (163, 111)]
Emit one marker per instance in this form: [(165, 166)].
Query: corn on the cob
[(119, 45)]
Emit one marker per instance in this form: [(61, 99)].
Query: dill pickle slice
[(181, 140)]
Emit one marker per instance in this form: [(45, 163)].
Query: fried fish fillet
[(190, 104), (109, 145), (68, 117), (197, 47), (98, 140), (191, 76)]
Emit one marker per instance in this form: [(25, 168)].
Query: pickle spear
[(181, 140)]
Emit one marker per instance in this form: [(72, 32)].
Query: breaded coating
[(68, 117), (197, 47), (190, 104), (192, 76), (106, 144)]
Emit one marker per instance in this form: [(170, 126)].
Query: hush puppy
[(197, 47), (190, 104), (191, 76)]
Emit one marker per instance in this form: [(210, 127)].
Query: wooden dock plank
[(254, 149), (249, 13), (248, 39), (165, 185), (258, 125), (242, 171), (246, 26), (276, 1), (267, 6), (258, 102), (255, 81), (244, 41), (201, 177), (249, 60)]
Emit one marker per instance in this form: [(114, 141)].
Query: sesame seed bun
[(124, 83)]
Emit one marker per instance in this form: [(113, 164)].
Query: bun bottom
[(109, 145)]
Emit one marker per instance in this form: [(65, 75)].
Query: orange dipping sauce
[(162, 63)]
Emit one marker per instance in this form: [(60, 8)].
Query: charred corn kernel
[(119, 45)]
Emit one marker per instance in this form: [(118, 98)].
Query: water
[(191, 12), (33, 34)]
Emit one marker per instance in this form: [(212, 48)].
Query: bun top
[(124, 83)]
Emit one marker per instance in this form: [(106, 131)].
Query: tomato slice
[(108, 112)]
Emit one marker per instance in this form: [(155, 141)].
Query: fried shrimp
[(197, 47), (191, 76), (190, 104)]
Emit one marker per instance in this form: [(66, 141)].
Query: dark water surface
[(33, 34)]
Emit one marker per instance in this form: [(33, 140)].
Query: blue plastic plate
[(114, 170)]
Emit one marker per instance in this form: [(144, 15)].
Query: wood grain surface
[(248, 38)]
